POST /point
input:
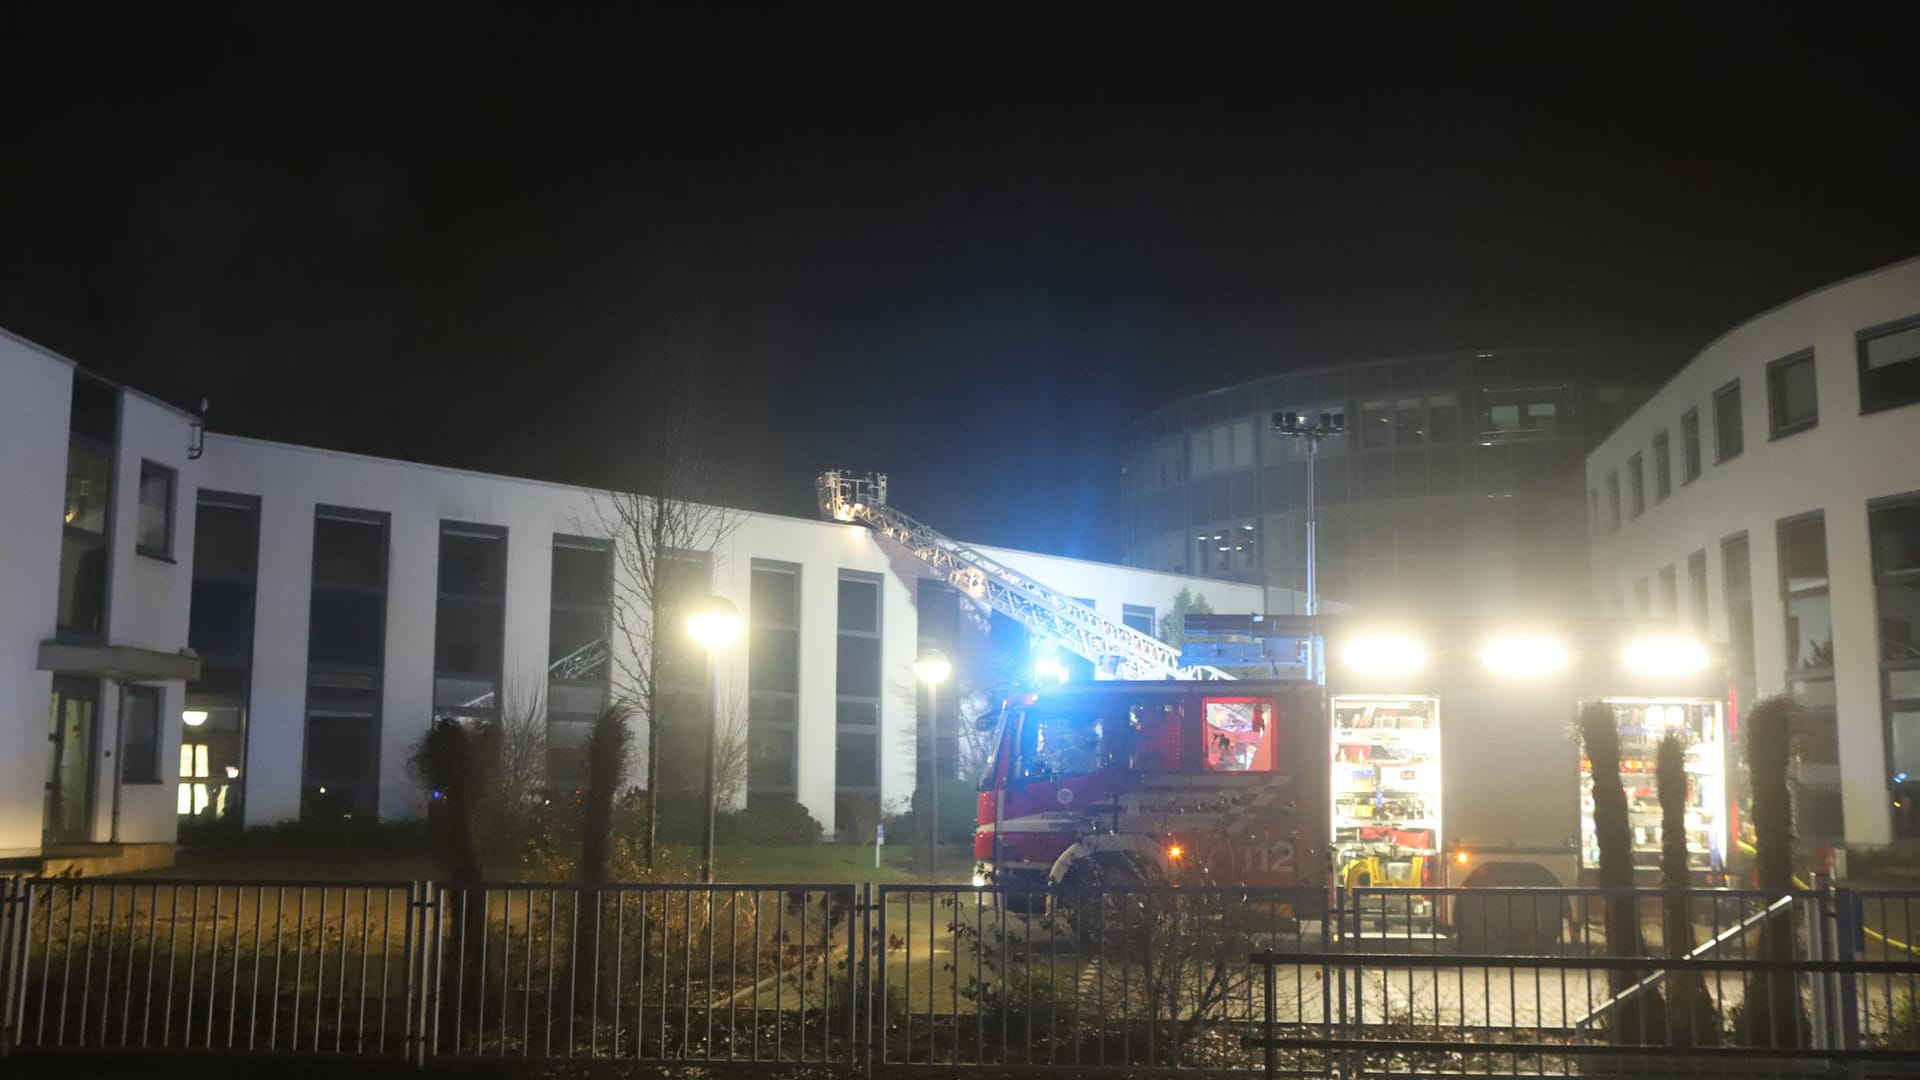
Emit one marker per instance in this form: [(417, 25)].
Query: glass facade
[(346, 657), (856, 685), (93, 427), (578, 666), (1459, 486), (681, 689), (1895, 525), (773, 676), (1807, 594), (213, 727), (469, 624)]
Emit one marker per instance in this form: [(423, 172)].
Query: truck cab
[(1155, 782)]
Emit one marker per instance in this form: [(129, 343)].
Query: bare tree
[(731, 754), (661, 539)]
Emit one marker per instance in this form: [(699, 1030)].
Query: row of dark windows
[(346, 648), (1888, 361), (1429, 420)]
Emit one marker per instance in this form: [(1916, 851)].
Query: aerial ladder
[(1116, 650)]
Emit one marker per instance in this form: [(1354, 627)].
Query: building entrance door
[(72, 730)]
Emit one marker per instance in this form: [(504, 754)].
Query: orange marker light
[(1174, 851), (1460, 857)]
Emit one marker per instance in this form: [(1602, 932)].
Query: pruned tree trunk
[(1692, 1019), (1637, 1020), (1771, 1013), (609, 752)]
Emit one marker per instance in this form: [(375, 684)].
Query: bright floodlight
[(1047, 669), (714, 623), (1524, 656), (932, 667), (1666, 656), (194, 717), (1385, 654)]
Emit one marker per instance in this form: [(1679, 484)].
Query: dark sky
[(963, 251)]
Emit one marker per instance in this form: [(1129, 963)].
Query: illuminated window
[(1239, 735)]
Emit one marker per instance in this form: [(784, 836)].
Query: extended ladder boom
[(1133, 655)]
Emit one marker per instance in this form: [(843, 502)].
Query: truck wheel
[(1523, 915), (1107, 902)]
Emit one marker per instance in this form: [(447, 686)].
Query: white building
[(335, 603), (1769, 497)]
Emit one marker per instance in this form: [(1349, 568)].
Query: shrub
[(769, 821)]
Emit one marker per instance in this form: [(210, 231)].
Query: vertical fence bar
[(15, 917)]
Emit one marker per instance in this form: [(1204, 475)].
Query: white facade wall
[(1835, 468), (147, 597), (35, 390), (148, 602), (291, 482)]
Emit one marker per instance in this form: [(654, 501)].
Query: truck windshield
[(1057, 745)]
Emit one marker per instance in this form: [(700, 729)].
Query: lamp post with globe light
[(715, 624), (932, 668)]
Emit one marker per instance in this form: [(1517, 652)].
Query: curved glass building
[(1459, 485)]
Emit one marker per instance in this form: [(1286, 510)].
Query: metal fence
[(1300, 982)]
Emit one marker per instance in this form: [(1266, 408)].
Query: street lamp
[(715, 624), (1313, 428), (933, 668)]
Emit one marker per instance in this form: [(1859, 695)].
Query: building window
[(1728, 438), (1697, 590), (1408, 428), (681, 689), (578, 664), (1376, 424), (92, 427), (1895, 526), (1792, 399), (1636, 485), (1443, 418), (773, 676), (1610, 408), (1689, 445), (1662, 467), (1613, 502), (1642, 600), (1890, 365), (140, 735), (1669, 593), (1517, 413), (153, 531), (1593, 512), (1137, 617), (1737, 584), (346, 649), (857, 683), (1804, 588), (1200, 453), (469, 621), (226, 541)]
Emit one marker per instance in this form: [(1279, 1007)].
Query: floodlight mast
[(1313, 428), (862, 500)]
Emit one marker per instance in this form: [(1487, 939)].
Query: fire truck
[(1425, 754), (1406, 752)]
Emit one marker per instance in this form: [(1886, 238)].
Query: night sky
[(964, 251)]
